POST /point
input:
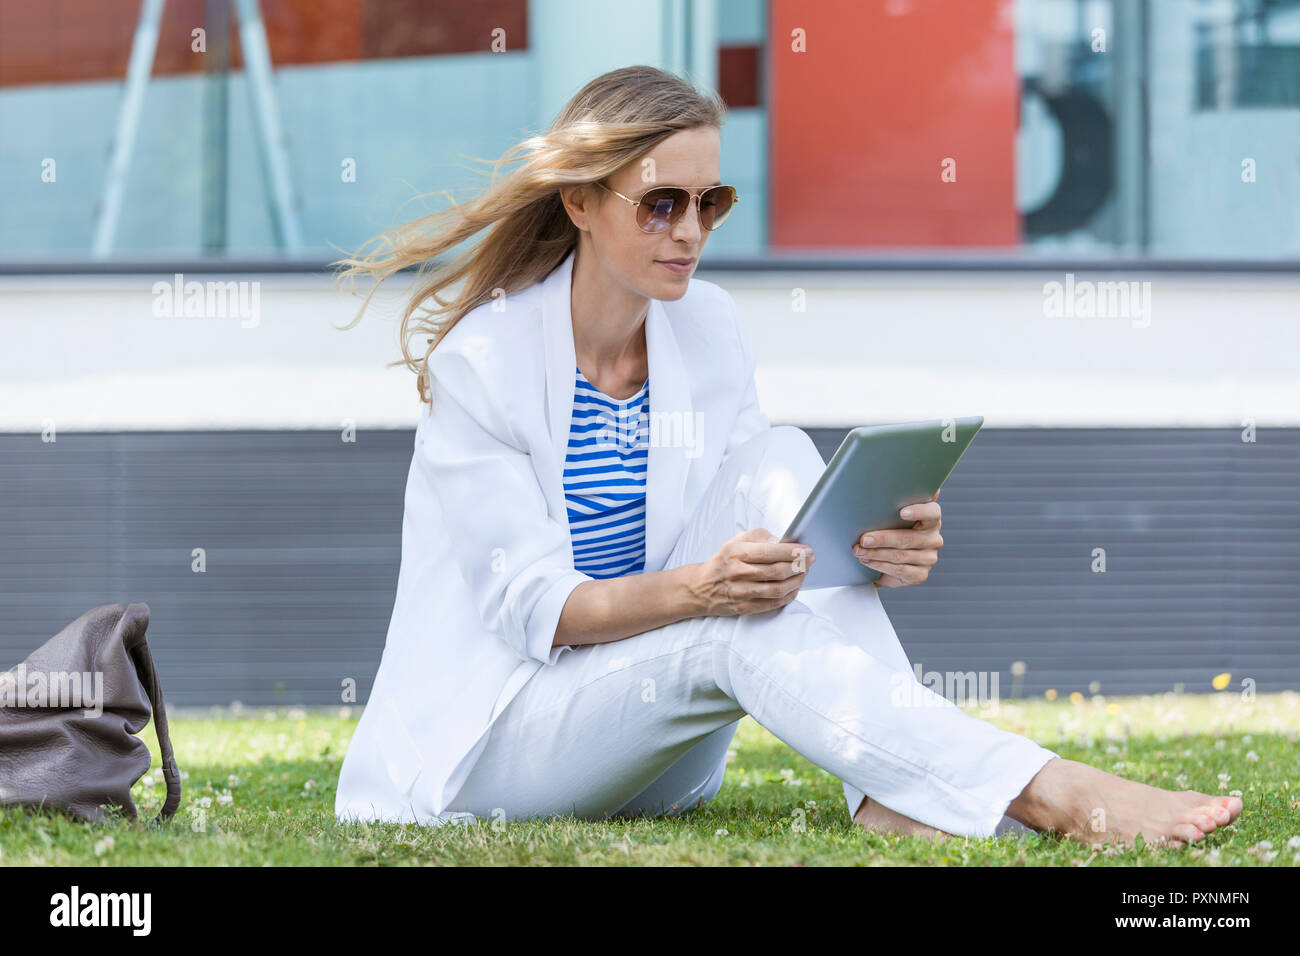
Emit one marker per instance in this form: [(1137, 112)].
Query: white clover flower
[(309, 784), (720, 832), (224, 798), (1181, 781), (204, 802), (1223, 780), (232, 781), (1293, 843), (1251, 756), (104, 846)]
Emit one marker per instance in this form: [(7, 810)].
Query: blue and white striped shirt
[(604, 480)]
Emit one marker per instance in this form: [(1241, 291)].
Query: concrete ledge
[(834, 350)]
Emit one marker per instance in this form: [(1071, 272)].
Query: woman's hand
[(753, 572), (904, 557)]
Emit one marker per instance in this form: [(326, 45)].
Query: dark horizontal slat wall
[(1201, 533), (302, 534)]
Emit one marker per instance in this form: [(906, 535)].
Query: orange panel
[(862, 121)]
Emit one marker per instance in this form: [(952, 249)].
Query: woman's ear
[(579, 202)]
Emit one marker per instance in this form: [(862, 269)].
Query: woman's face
[(632, 258)]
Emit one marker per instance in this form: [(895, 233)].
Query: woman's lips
[(677, 268)]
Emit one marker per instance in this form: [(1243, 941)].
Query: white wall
[(87, 353)]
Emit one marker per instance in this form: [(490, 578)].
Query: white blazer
[(487, 561)]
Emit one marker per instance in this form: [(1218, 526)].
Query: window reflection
[(1150, 128)]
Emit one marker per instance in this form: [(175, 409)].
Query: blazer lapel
[(672, 436), (561, 360), (672, 430)]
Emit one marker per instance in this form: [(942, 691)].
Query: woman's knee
[(785, 474), (792, 442), (785, 443)]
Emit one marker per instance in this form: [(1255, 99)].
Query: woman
[(592, 593)]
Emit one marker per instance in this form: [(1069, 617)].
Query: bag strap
[(149, 677)]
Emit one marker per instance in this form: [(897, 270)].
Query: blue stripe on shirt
[(605, 479)]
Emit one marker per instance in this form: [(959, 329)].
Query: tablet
[(877, 470)]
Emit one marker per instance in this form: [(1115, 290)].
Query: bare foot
[(1095, 807), (881, 819)]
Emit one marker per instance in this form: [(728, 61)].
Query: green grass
[(268, 777)]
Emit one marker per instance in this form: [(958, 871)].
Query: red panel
[(66, 41), (61, 41), (738, 76), (861, 122), (421, 28)]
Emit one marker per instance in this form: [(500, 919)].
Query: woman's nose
[(689, 228)]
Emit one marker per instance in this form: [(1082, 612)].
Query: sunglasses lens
[(661, 208), (715, 206)]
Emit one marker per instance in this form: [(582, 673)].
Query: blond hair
[(612, 121)]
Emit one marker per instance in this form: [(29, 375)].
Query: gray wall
[(302, 538)]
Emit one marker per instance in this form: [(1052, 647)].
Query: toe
[(1187, 833)]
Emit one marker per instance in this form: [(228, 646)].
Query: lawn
[(259, 789)]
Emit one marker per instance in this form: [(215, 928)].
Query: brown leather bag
[(56, 751)]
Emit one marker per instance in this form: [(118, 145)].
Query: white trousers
[(644, 724)]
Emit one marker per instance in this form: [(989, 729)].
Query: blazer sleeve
[(750, 420), (513, 555)]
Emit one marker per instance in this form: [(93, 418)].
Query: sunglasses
[(661, 208)]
